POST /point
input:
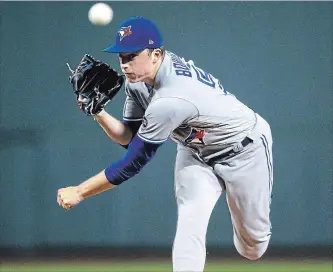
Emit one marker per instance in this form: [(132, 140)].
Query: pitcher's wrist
[(81, 192)]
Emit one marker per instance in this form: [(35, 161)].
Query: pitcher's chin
[(131, 78), (134, 79)]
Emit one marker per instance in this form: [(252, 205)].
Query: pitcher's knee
[(252, 251)]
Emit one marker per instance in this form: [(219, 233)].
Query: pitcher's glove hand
[(96, 83)]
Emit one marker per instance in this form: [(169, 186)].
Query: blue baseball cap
[(135, 34)]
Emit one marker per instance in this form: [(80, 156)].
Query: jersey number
[(204, 77)]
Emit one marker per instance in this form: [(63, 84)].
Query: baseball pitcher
[(222, 145)]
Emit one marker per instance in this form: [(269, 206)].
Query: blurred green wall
[(275, 57)]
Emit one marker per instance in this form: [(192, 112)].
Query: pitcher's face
[(137, 66)]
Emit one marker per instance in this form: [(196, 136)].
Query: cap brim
[(123, 49)]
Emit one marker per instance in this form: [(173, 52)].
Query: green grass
[(130, 266)]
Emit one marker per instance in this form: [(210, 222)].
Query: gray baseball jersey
[(190, 106)]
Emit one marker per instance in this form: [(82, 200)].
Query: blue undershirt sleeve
[(139, 153)]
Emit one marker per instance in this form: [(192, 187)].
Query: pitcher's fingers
[(67, 206)]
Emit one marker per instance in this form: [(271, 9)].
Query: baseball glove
[(95, 83)]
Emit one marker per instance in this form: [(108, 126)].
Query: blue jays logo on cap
[(124, 32), (135, 34)]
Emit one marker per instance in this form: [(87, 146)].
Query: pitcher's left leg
[(197, 191)]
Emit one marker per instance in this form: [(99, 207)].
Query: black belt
[(236, 149)]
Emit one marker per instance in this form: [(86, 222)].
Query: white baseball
[(100, 14)]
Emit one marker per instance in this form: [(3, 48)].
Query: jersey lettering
[(180, 66), (183, 73)]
